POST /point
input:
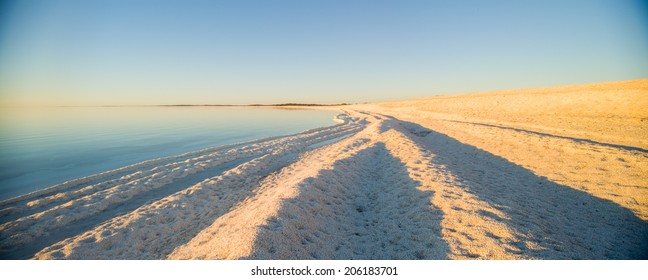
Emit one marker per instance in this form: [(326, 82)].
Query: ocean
[(46, 146)]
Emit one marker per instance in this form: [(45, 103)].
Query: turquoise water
[(43, 147)]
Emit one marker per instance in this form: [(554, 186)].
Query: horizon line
[(187, 105)]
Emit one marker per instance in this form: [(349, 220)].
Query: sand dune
[(554, 173)]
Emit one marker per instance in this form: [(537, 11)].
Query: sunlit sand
[(552, 173)]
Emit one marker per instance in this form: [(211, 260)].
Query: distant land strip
[(189, 105)]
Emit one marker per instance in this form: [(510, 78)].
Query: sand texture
[(553, 173)]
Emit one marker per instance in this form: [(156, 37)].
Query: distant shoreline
[(224, 105), (559, 88), (189, 105)]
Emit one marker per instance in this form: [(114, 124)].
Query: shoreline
[(394, 180)]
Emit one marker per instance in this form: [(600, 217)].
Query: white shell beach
[(551, 173)]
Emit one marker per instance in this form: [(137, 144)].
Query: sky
[(86, 52)]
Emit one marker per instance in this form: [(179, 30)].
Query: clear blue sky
[(169, 52)]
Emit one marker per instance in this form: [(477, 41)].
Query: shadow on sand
[(365, 207), (566, 222), (542, 134)]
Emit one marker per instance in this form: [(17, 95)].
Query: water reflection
[(45, 146)]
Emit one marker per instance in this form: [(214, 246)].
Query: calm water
[(40, 148)]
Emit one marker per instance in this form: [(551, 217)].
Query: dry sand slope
[(500, 175)]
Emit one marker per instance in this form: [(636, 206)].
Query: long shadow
[(580, 140), (365, 207), (87, 223), (566, 223)]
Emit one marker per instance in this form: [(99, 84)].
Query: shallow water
[(43, 147)]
